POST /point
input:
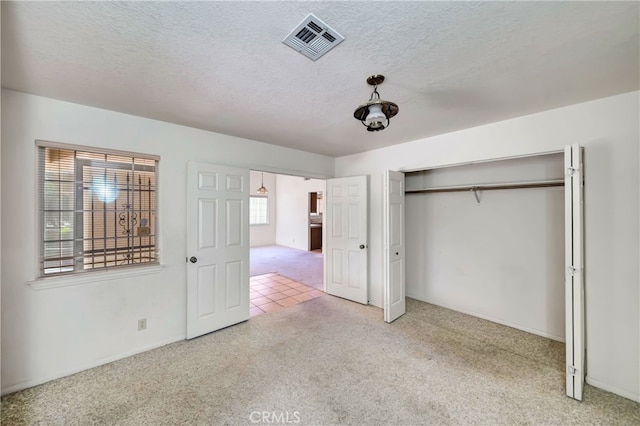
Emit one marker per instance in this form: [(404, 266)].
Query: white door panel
[(574, 282), (217, 247), (394, 256), (346, 266)]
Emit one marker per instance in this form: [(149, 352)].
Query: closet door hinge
[(572, 171), (572, 370), (571, 270)]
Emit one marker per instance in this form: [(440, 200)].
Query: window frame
[(267, 219), (81, 275)]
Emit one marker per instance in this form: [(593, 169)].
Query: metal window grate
[(98, 210)]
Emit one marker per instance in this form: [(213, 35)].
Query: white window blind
[(97, 209), (258, 210)]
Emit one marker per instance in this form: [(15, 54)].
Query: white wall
[(609, 130), (50, 333), (292, 210), (501, 259), (264, 235)]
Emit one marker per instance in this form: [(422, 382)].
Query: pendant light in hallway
[(262, 190)]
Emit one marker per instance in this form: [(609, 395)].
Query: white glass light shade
[(376, 117)]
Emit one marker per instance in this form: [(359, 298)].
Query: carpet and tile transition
[(272, 292), (299, 265), (330, 361)]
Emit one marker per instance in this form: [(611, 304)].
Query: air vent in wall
[(313, 38)]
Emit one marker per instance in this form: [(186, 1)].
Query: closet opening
[(488, 239)]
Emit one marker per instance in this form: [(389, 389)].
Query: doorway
[(285, 267), (219, 213)]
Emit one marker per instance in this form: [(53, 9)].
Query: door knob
[(193, 259), (361, 246)]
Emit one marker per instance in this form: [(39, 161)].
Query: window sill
[(45, 283)]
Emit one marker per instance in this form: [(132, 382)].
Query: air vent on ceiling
[(313, 38)]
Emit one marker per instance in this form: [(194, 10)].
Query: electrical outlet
[(142, 324)]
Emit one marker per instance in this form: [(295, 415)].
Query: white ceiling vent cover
[(313, 38)]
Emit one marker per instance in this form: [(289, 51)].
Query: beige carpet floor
[(330, 361)]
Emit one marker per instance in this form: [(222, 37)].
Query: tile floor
[(271, 292)]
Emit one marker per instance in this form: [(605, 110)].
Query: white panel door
[(346, 228), (394, 278), (217, 247), (574, 282)]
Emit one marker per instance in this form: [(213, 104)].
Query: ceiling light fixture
[(262, 190), (376, 114)]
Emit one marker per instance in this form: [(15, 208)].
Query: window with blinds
[(258, 210), (97, 209)]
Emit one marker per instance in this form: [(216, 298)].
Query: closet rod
[(489, 187)]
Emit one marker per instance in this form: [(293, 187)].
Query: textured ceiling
[(221, 66)]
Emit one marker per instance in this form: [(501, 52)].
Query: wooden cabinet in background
[(315, 237)]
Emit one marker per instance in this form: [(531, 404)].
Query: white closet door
[(574, 282), (394, 277)]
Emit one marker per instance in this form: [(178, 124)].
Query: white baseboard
[(590, 380), (97, 363), (492, 319), (598, 384)]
